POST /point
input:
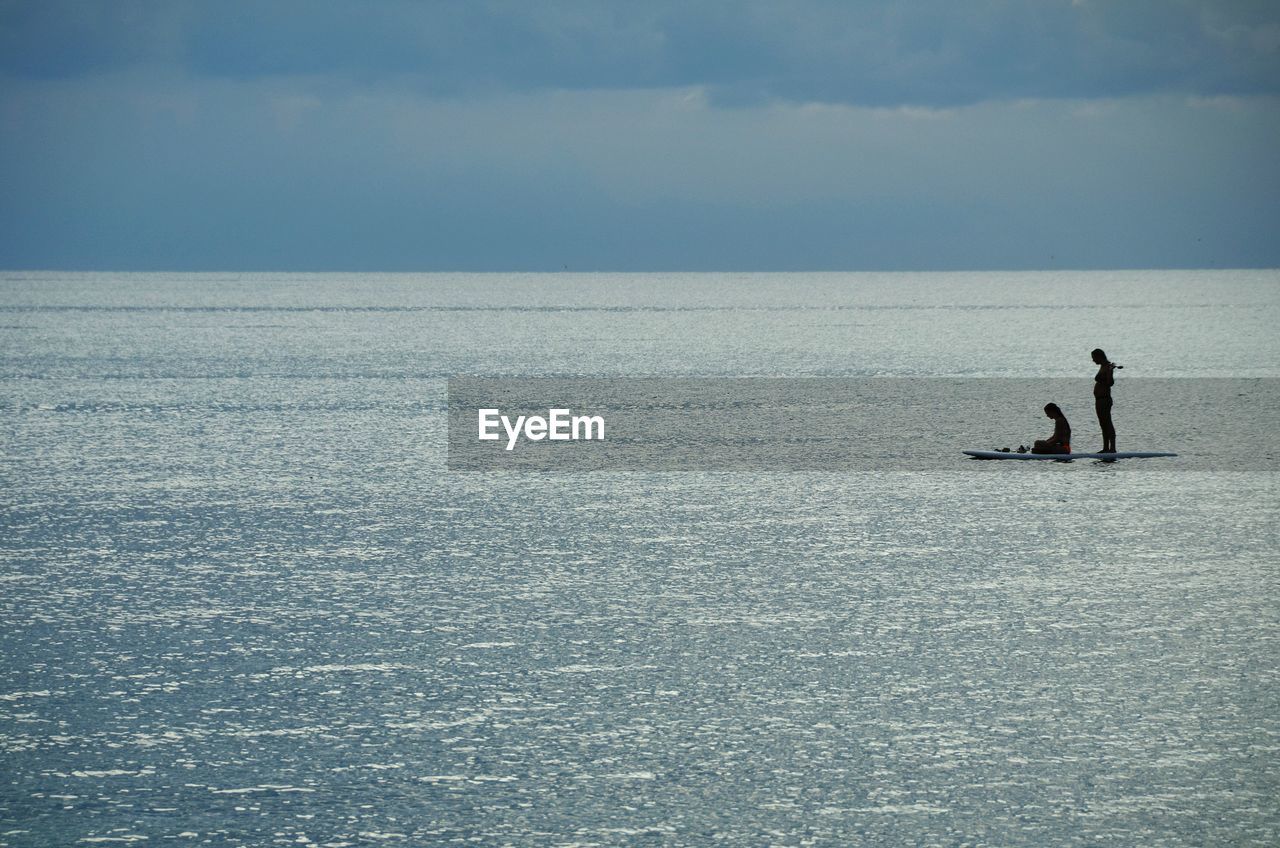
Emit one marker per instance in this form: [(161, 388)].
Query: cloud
[(914, 52), (134, 171), (656, 135)]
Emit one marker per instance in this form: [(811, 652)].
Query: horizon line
[(568, 270)]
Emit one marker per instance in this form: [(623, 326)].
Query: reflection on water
[(243, 603)]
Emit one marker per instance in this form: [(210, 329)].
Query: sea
[(245, 601)]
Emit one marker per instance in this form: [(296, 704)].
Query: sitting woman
[(1060, 441)]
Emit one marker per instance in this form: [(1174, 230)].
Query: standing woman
[(1102, 383)]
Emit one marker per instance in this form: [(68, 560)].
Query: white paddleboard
[(989, 454)]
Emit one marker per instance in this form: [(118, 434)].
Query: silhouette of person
[(1102, 383), (1060, 441)]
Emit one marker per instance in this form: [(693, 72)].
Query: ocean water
[(242, 602)]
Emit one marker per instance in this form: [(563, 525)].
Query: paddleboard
[(989, 454)]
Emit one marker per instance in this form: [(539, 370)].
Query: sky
[(539, 135)]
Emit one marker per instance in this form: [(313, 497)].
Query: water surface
[(243, 602)]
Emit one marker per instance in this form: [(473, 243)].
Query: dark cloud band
[(924, 52)]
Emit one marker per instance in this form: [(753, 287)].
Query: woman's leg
[(1103, 407)]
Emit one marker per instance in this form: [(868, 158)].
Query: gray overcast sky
[(813, 134)]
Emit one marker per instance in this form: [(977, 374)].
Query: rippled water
[(243, 603)]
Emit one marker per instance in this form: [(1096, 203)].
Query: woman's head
[(1098, 356), (1051, 410)]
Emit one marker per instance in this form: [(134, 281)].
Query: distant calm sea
[(243, 603)]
